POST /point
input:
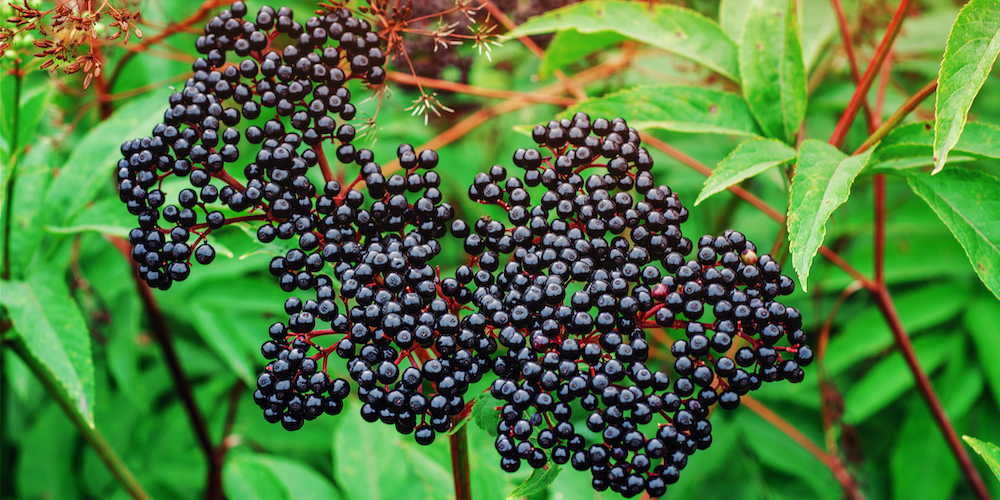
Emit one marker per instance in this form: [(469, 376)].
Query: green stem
[(11, 164), (90, 433), (460, 463)]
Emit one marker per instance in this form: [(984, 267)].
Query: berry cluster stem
[(460, 462)]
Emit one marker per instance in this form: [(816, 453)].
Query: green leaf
[(55, 334), (733, 17), (264, 477), (980, 140), (750, 158), (989, 451), (536, 482), (681, 31), (822, 182), (93, 161), (218, 334), (486, 414), (568, 47), (675, 107), (980, 314), (28, 209), (972, 49), (867, 334), (818, 25), (780, 452), (891, 377), (118, 231), (35, 100), (774, 78), (366, 455), (968, 202)]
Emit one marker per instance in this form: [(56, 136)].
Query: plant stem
[(893, 120), (11, 164), (884, 302), (845, 33), (460, 462), (90, 433), (162, 335), (840, 133), (847, 482), (461, 88)]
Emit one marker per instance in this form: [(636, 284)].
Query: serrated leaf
[(49, 322), (681, 31), (989, 451), (93, 160), (822, 182), (968, 201), (674, 107), (486, 414), (973, 45), (536, 482), (774, 78), (891, 377), (979, 315), (261, 477), (568, 47), (750, 158)]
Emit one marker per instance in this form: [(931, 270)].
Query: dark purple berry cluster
[(554, 304)]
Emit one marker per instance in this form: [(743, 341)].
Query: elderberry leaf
[(55, 336), (84, 173), (486, 414), (989, 451), (915, 142), (822, 183), (539, 480), (973, 46), (776, 450), (681, 31), (968, 202), (982, 312), (364, 453), (568, 47), (817, 24), (217, 331), (774, 79), (265, 477), (891, 377), (750, 158), (675, 107), (28, 210)]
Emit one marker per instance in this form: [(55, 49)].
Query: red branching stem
[(897, 117), (885, 304), (324, 165), (840, 133), (408, 79), (845, 33), (845, 479)]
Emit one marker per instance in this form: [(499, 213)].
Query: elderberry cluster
[(301, 87), (555, 304)]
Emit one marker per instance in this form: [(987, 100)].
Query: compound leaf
[(750, 158), (972, 49), (773, 72), (822, 183), (55, 334), (968, 202), (675, 107), (681, 31)]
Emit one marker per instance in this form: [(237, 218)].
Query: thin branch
[(840, 133), (847, 482), (571, 86), (897, 117), (90, 433), (162, 334), (845, 33), (408, 79), (884, 302)]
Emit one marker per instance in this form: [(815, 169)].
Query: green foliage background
[(72, 300)]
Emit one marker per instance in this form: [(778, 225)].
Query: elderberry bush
[(554, 306)]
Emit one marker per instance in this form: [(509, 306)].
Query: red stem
[(845, 33), (840, 133), (324, 165)]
